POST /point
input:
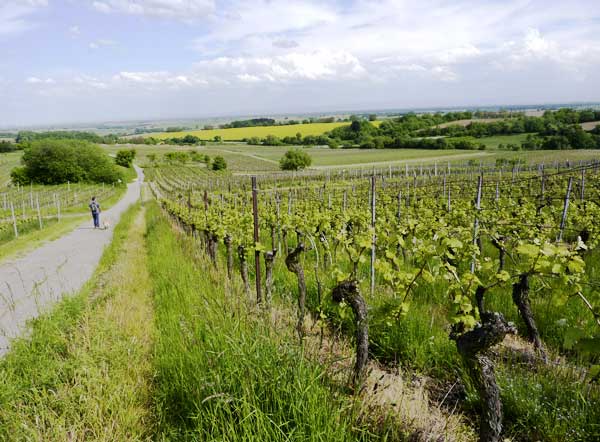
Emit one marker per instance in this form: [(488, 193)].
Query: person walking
[(95, 208)]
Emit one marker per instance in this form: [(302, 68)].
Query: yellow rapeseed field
[(238, 134)]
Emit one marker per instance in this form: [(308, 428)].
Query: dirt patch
[(590, 125), (389, 397), (465, 123)]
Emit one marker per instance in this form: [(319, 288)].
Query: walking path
[(31, 284)]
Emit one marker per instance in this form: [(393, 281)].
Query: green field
[(248, 158), (495, 141), (7, 162), (332, 158), (238, 134)]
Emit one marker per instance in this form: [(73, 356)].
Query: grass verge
[(222, 372), (84, 372)]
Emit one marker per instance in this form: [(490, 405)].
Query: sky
[(70, 61)]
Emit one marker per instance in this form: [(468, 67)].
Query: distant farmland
[(238, 134)]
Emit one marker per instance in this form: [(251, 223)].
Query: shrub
[(254, 141), (295, 159), (272, 140), (180, 157), (125, 158), (219, 163), (19, 176), (334, 143), (7, 146), (58, 161)]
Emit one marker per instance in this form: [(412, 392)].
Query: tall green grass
[(222, 372)]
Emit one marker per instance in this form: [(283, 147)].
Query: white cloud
[(536, 45), (168, 9), (284, 43), (29, 3), (444, 73), (294, 66), (259, 24), (89, 81), (153, 80), (36, 80), (249, 78), (458, 54), (410, 67), (74, 30), (102, 7), (535, 49), (101, 44), (388, 35), (224, 71), (14, 14)]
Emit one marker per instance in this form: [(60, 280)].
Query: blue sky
[(67, 61)]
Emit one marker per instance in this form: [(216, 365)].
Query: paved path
[(31, 284)]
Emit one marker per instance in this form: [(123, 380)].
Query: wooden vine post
[(563, 219), (14, 219), (256, 240), (39, 214), (374, 237), (476, 222)]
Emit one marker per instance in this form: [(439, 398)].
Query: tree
[(218, 138), (219, 163), (59, 161), (295, 159), (190, 139), (125, 158)]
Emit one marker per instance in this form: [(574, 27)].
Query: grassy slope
[(347, 157), (222, 372), (85, 372)]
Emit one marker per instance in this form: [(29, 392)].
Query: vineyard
[(481, 281)]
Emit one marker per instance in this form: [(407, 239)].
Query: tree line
[(29, 136)]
